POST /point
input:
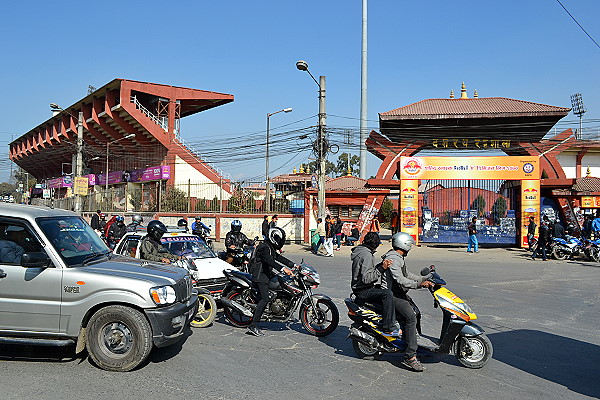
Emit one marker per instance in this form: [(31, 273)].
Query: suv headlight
[(163, 295)]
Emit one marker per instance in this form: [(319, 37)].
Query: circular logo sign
[(412, 166), (528, 168)]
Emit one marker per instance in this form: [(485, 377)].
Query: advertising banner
[(63, 181), (502, 167), (590, 201), (81, 185), (366, 217), (409, 207), (530, 205)]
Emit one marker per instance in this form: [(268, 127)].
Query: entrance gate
[(449, 205), (440, 209)]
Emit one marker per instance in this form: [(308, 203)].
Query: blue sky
[(528, 50)]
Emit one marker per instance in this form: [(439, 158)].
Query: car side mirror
[(163, 250), (35, 259)]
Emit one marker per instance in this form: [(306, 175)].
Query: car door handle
[(2, 274)]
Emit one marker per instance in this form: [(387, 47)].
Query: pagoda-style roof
[(489, 117)]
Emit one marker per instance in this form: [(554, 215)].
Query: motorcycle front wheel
[(207, 311), (323, 320), (559, 253), (234, 316), (473, 352)]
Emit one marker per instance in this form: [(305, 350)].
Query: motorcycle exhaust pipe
[(362, 337), (236, 306)]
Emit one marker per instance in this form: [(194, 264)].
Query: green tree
[(499, 209), (386, 210), (174, 200), (201, 205), (330, 168), (7, 189), (342, 164), (479, 205), (241, 200)]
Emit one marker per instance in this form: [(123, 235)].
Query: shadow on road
[(26, 352), (568, 362)]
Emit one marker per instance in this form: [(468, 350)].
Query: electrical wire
[(584, 31)]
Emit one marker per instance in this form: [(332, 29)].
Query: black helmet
[(156, 229), (236, 225), (137, 219), (198, 218), (182, 223), (276, 237)]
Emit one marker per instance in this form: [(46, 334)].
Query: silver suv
[(63, 284)]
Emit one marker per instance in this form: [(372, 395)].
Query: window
[(15, 240)]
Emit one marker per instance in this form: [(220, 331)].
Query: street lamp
[(268, 185), (321, 150), (131, 135), (79, 155)]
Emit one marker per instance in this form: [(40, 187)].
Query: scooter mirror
[(425, 271)]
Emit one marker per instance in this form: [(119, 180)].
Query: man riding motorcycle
[(116, 231), (199, 228), (150, 245), (265, 259), (235, 239), (399, 280), (136, 221), (367, 279), (182, 224)]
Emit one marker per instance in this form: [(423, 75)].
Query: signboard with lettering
[(81, 185)]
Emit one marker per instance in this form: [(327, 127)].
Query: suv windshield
[(190, 246), (73, 238)]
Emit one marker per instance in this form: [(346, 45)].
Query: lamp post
[(79, 154), (268, 184), (321, 144), (131, 135)]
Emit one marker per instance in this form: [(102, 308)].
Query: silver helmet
[(402, 241)]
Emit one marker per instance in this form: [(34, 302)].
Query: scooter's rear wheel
[(365, 351), (473, 352), (234, 316)]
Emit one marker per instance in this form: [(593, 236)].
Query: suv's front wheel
[(118, 338)]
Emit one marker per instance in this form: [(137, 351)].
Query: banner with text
[(501, 167)]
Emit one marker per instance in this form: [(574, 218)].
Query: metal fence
[(185, 197)]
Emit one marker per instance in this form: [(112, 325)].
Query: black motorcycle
[(203, 234), (459, 335), (318, 313)]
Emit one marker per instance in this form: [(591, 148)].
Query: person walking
[(265, 228), (531, 232), (329, 235), (543, 239), (473, 236), (338, 232), (321, 232)]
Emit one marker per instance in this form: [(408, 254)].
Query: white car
[(210, 267)]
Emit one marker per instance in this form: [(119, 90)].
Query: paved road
[(542, 318)]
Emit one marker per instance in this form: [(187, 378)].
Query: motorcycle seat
[(373, 306)]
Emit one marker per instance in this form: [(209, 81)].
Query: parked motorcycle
[(591, 249), (459, 335), (318, 313), (207, 306), (566, 248)]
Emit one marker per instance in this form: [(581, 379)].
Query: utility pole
[(322, 147), (268, 178), (79, 161), (363, 95)]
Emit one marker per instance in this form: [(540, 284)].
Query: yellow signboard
[(530, 206), (409, 207), (503, 167), (81, 185)]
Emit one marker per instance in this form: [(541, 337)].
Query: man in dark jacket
[(265, 259), (265, 227), (116, 231), (543, 239), (531, 231), (95, 221), (150, 245), (367, 282), (558, 231)]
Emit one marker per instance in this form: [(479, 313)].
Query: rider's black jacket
[(264, 260), (237, 239), (116, 231)]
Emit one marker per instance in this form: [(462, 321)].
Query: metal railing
[(191, 150), (162, 122)]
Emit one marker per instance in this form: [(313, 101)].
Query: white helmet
[(402, 241)]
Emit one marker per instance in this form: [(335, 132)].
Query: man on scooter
[(399, 280), (367, 279)]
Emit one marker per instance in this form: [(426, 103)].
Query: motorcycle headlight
[(163, 295)]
